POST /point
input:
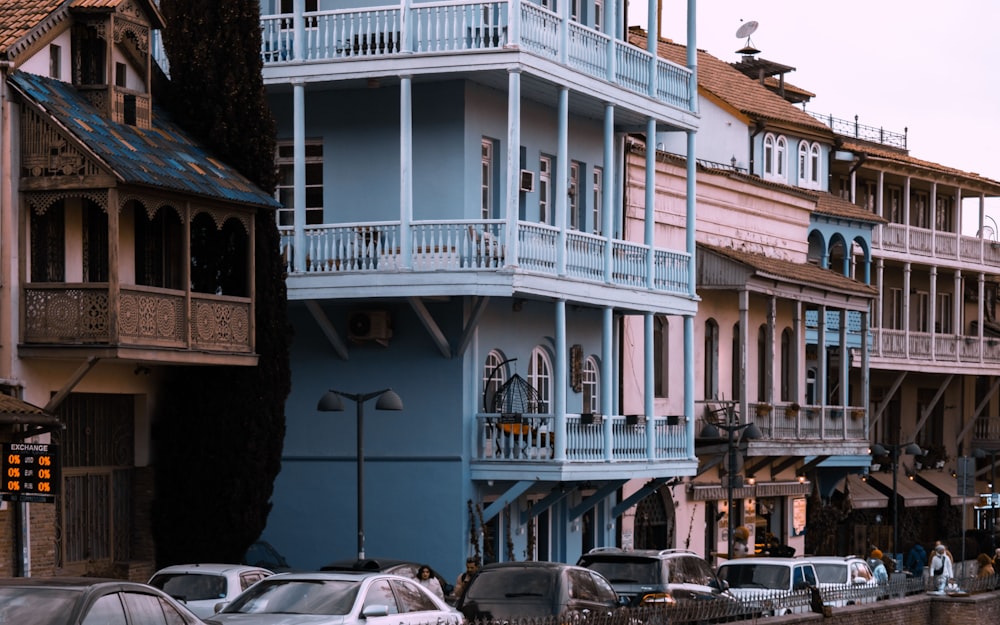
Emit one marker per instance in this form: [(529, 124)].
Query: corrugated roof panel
[(130, 152)]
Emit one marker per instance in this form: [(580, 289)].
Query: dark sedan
[(87, 600), (514, 590)]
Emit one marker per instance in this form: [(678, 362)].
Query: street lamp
[(992, 453), (331, 402), (711, 430), (893, 451)]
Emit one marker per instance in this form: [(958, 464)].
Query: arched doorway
[(655, 526)]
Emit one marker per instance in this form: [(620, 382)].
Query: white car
[(771, 585), (203, 588), (844, 580), (337, 598)]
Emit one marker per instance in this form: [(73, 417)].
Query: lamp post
[(331, 402), (992, 453), (893, 451), (712, 431)]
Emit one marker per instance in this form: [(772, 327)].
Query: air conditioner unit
[(527, 180), (369, 325)]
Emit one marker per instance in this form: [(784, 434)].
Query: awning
[(914, 495), (946, 484), (861, 494)]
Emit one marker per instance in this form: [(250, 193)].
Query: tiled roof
[(162, 156), (803, 273), (829, 204), (19, 17), (897, 156), (746, 95)]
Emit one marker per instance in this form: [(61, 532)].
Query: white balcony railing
[(460, 27)]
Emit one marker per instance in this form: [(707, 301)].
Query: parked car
[(505, 591), (388, 565), (262, 554), (844, 580), (337, 598), (79, 600), (204, 588), (769, 585), (656, 576)]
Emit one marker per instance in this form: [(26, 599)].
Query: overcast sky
[(928, 66)]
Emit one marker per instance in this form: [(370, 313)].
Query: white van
[(771, 585)]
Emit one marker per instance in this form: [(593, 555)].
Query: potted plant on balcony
[(792, 410), (763, 409), (935, 457), (857, 414)]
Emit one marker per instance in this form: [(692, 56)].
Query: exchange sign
[(30, 472)]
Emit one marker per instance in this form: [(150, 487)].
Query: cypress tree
[(219, 431)]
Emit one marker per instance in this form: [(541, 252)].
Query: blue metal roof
[(162, 156)]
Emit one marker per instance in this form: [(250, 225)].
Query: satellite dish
[(747, 29)]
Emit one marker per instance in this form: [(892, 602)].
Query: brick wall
[(913, 610)]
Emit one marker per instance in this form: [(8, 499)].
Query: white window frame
[(285, 161), (493, 360), (545, 205), (598, 15), (943, 314), (598, 195), (815, 165), (768, 155), (540, 378), (780, 156), (573, 201), (591, 382), (486, 171), (804, 173)]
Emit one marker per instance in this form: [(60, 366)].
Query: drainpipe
[(757, 129)]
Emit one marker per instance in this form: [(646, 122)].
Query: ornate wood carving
[(46, 153)]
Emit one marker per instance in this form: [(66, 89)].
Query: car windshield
[(39, 606), (831, 572), (749, 575), (620, 570), (191, 586), (296, 596), (513, 582)]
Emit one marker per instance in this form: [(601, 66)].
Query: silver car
[(329, 598), (204, 588)]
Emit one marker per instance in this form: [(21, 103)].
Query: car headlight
[(657, 598)]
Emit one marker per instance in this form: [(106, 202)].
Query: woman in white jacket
[(941, 568)]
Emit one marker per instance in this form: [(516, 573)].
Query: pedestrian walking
[(941, 568), (916, 560), (428, 581)]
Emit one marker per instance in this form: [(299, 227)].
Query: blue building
[(454, 227)]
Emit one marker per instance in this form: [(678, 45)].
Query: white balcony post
[(607, 379), (648, 385), (299, 173), (560, 384), (562, 179), (607, 216), (299, 28), (405, 170), (514, 23), (650, 200), (513, 165)]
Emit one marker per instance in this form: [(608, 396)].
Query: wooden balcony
[(407, 31), (143, 323), (946, 248)]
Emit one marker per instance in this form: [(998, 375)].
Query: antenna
[(745, 30)]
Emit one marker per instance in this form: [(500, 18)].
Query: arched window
[(494, 376), (780, 156), (786, 364), (711, 353), (591, 384), (661, 356), (814, 164), (540, 378), (762, 363), (768, 154), (803, 163)]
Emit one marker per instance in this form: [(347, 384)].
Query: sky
[(924, 65)]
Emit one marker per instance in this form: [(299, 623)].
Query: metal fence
[(765, 603)]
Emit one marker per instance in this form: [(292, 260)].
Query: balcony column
[(797, 348), (980, 310), (607, 199), (692, 53), (186, 272), (866, 387), (932, 309), (907, 270), (513, 165), (906, 212), (610, 22), (299, 173), (845, 370), (956, 219), (114, 275), (607, 378), (744, 343), (691, 220), (559, 384), (650, 212), (405, 15), (880, 300), (298, 28), (653, 38), (821, 381), (405, 171), (514, 22), (769, 359), (879, 210), (562, 180), (932, 208), (689, 406), (648, 385), (564, 19)]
